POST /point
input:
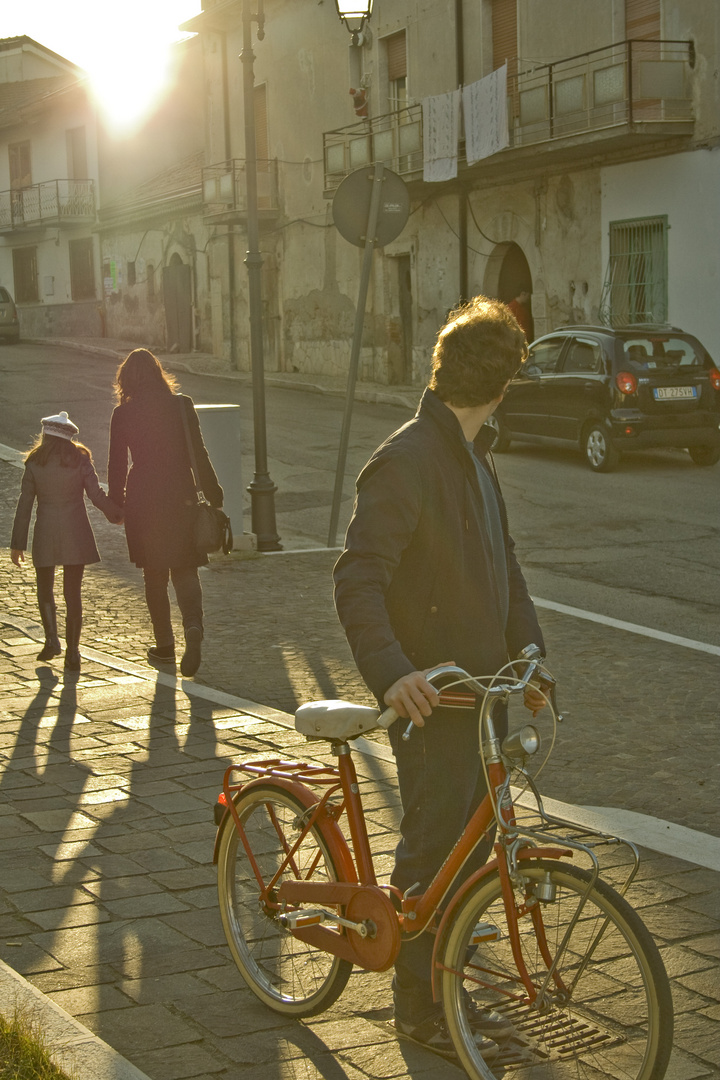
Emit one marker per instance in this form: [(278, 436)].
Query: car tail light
[(626, 382), (714, 376)]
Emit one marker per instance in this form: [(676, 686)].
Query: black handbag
[(211, 527)]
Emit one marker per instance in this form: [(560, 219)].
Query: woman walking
[(58, 472), (158, 496)]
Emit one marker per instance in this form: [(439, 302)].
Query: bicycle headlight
[(521, 744)]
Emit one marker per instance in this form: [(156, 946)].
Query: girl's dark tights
[(72, 587)]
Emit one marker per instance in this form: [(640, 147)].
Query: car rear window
[(662, 352), (4, 296)]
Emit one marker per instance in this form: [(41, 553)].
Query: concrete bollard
[(220, 426)]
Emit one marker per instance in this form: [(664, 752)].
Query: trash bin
[(220, 426)]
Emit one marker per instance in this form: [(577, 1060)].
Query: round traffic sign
[(351, 206)]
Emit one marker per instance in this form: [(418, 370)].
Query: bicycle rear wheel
[(289, 975), (611, 1016)]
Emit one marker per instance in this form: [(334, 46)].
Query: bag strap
[(191, 450)]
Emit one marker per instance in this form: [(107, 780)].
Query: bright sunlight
[(124, 48)]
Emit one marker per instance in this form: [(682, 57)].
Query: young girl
[(58, 471)]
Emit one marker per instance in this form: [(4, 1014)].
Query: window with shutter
[(396, 51), (642, 19)]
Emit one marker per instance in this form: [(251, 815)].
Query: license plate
[(666, 393)]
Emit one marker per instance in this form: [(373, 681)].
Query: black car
[(611, 390)]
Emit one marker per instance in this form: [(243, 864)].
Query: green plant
[(24, 1052)]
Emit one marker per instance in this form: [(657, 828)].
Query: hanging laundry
[(485, 116), (441, 126)]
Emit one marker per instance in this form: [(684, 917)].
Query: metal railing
[(53, 202), (632, 82), (395, 139), (637, 84), (225, 189)]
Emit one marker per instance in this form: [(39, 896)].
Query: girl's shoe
[(161, 654)]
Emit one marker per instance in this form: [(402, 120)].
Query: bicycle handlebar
[(530, 655)]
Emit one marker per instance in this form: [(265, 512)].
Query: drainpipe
[(462, 196), (230, 228)]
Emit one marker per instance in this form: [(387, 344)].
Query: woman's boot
[(52, 647), (193, 651), (73, 628)]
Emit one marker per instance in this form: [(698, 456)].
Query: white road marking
[(632, 628)]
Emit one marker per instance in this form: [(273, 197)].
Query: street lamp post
[(262, 489)]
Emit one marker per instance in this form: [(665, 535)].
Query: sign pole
[(377, 182)]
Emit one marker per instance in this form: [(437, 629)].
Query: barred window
[(637, 273)]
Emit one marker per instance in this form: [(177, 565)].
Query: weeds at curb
[(24, 1052)]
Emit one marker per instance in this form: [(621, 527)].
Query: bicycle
[(549, 945)]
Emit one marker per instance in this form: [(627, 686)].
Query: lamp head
[(354, 14)]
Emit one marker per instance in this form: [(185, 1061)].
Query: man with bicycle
[(429, 575)]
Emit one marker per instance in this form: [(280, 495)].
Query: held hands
[(412, 696), (17, 556)]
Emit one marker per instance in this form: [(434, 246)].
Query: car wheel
[(600, 454), (704, 455), (501, 442)]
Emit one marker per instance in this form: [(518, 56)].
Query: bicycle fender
[(331, 831), (457, 898)]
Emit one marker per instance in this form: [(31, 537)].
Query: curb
[(405, 397), (71, 1046)]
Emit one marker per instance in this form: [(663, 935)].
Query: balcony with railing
[(52, 203), (224, 187), (618, 95)]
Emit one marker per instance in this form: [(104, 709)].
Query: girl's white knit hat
[(60, 426)]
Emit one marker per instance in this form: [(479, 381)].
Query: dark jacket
[(414, 586), (158, 493), (62, 535)]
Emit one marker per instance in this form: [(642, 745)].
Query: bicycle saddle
[(335, 719)]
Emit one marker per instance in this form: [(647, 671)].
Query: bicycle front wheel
[(289, 975), (606, 1010)]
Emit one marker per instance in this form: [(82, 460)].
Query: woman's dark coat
[(158, 493), (62, 535)]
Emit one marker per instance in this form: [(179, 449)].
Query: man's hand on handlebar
[(412, 696), (533, 699)]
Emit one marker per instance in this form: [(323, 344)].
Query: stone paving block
[(28, 958), (141, 1027), (53, 820), (190, 878), (679, 960), (14, 926), (201, 898), (198, 852), (132, 843), (157, 858), (71, 978), (707, 903), (52, 896), (177, 1063), (177, 960), (111, 943), (705, 982), (224, 977), (699, 1036), (112, 866), (75, 915), (20, 881), (674, 923), (180, 802), (90, 999), (178, 986), (140, 907), (121, 887), (76, 849), (234, 1014), (202, 926)]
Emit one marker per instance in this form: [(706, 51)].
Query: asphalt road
[(640, 544)]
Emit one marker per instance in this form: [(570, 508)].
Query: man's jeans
[(441, 785)]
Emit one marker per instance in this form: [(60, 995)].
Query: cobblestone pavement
[(107, 898)]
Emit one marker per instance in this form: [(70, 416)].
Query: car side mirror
[(532, 371)]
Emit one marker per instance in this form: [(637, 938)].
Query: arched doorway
[(507, 273), (177, 296)]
